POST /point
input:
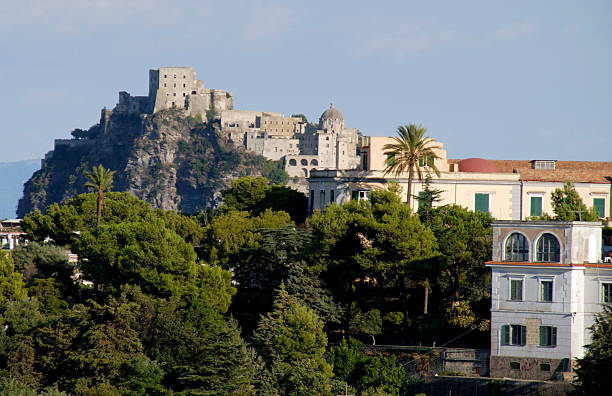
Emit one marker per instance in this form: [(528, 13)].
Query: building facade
[(509, 190), (303, 147), (548, 283)]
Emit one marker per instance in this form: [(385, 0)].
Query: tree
[(292, 343), (409, 149), (383, 373), (145, 254), (568, 206), (99, 179), (312, 292), (62, 223), (255, 195), (464, 238), (426, 201), (594, 370), (11, 283)]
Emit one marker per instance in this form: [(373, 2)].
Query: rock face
[(172, 161)]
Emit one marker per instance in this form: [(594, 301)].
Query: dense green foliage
[(160, 302), (254, 195), (568, 206), (594, 370)]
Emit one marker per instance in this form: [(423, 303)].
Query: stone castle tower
[(176, 87)]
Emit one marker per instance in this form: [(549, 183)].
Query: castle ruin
[(175, 87)]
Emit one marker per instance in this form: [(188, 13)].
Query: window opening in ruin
[(515, 366), (184, 85), (164, 84), (193, 92)]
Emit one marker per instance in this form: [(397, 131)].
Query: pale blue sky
[(499, 80)]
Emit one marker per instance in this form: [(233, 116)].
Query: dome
[(477, 165), (331, 113)]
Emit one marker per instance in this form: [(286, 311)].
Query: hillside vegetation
[(169, 160)]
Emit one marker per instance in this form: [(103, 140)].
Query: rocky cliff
[(172, 161)]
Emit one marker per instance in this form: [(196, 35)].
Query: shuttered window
[(600, 206), (546, 291), (548, 336), (421, 198), (536, 206), (481, 203), (516, 289), (513, 334)]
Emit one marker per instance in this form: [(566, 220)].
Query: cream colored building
[(509, 190)]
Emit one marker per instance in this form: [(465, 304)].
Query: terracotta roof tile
[(574, 171)]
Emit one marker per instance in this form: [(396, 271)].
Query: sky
[(490, 79)]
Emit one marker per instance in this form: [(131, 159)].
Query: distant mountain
[(12, 177), (170, 160)]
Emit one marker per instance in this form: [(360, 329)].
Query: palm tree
[(410, 146), (99, 179)]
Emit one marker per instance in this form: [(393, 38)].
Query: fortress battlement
[(176, 87)]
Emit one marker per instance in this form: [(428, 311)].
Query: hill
[(14, 174), (170, 160)]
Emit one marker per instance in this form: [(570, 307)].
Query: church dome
[(331, 114), (477, 165)]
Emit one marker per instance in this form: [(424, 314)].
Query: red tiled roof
[(574, 171)]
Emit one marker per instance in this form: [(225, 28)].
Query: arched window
[(547, 249), (517, 248), (314, 162), (304, 162), (292, 162)]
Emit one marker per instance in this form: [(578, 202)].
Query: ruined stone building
[(175, 87), (304, 147)]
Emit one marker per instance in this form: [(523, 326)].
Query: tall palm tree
[(411, 146), (100, 179)]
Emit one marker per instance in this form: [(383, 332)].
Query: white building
[(11, 234), (548, 283)]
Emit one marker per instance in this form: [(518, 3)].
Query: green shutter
[(543, 336), (421, 198), (481, 203), (553, 336), (430, 161), (390, 160), (536, 206), (523, 335), (505, 335), (600, 206), (421, 161), (355, 195)]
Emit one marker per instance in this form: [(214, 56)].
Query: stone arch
[(305, 172)]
